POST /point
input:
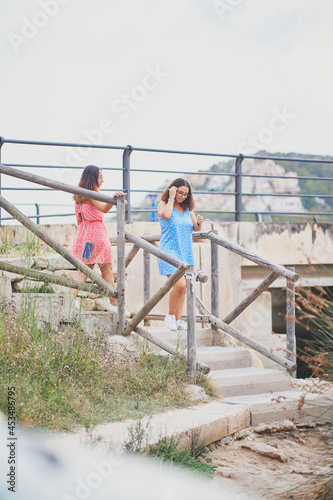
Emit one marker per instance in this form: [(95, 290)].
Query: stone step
[(204, 337), (281, 405), (249, 381), (224, 358)]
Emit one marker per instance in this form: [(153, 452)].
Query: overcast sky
[(222, 76)]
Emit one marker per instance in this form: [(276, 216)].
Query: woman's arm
[(165, 209), (105, 207), (197, 221)]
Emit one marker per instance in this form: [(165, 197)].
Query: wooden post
[(214, 255), (154, 300), (191, 324), (290, 320), (121, 262), (146, 275), (35, 229)]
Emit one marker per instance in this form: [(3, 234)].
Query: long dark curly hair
[(188, 203), (89, 180)]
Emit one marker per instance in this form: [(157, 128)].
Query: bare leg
[(79, 277), (107, 275), (177, 298)]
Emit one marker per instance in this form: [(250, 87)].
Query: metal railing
[(238, 214)]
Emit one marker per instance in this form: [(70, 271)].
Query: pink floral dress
[(93, 219)]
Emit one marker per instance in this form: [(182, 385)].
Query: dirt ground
[(306, 460)]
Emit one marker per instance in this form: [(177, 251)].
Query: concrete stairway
[(268, 393)]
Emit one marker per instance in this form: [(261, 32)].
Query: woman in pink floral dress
[(91, 227)]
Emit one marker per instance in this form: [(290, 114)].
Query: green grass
[(65, 380), (169, 449)]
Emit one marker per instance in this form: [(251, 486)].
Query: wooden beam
[(161, 254), (246, 340), (131, 325), (131, 254), (61, 186), (51, 278), (166, 346), (251, 297), (243, 252)]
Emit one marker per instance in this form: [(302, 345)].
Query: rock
[(226, 440), (242, 434), (285, 425), (56, 262), (266, 450), (123, 348), (87, 304), (195, 392), (223, 472), (27, 285), (102, 303)]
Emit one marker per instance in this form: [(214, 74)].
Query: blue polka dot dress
[(176, 239)]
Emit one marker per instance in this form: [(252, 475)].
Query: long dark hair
[(89, 180), (188, 202)]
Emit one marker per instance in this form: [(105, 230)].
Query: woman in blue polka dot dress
[(177, 221)]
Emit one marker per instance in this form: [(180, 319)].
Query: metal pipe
[(238, 188), (127, 180)]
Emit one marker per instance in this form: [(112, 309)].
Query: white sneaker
[(170, 321), (181, 325), (110, 307)]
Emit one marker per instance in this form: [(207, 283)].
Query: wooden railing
[(99, 285)]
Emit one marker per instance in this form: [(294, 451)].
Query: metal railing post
[(238, 188), (37, 213), (127, 180), (191, 324), (2, 141), (290, 320), (121, 263)]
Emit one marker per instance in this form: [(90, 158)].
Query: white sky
[(230, 75)]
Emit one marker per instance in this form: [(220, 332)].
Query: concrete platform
[(272, 407), (249, 381), (212, 420)]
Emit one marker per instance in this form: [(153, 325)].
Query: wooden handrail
[(60, 186), (243, 252), (142, 243)]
